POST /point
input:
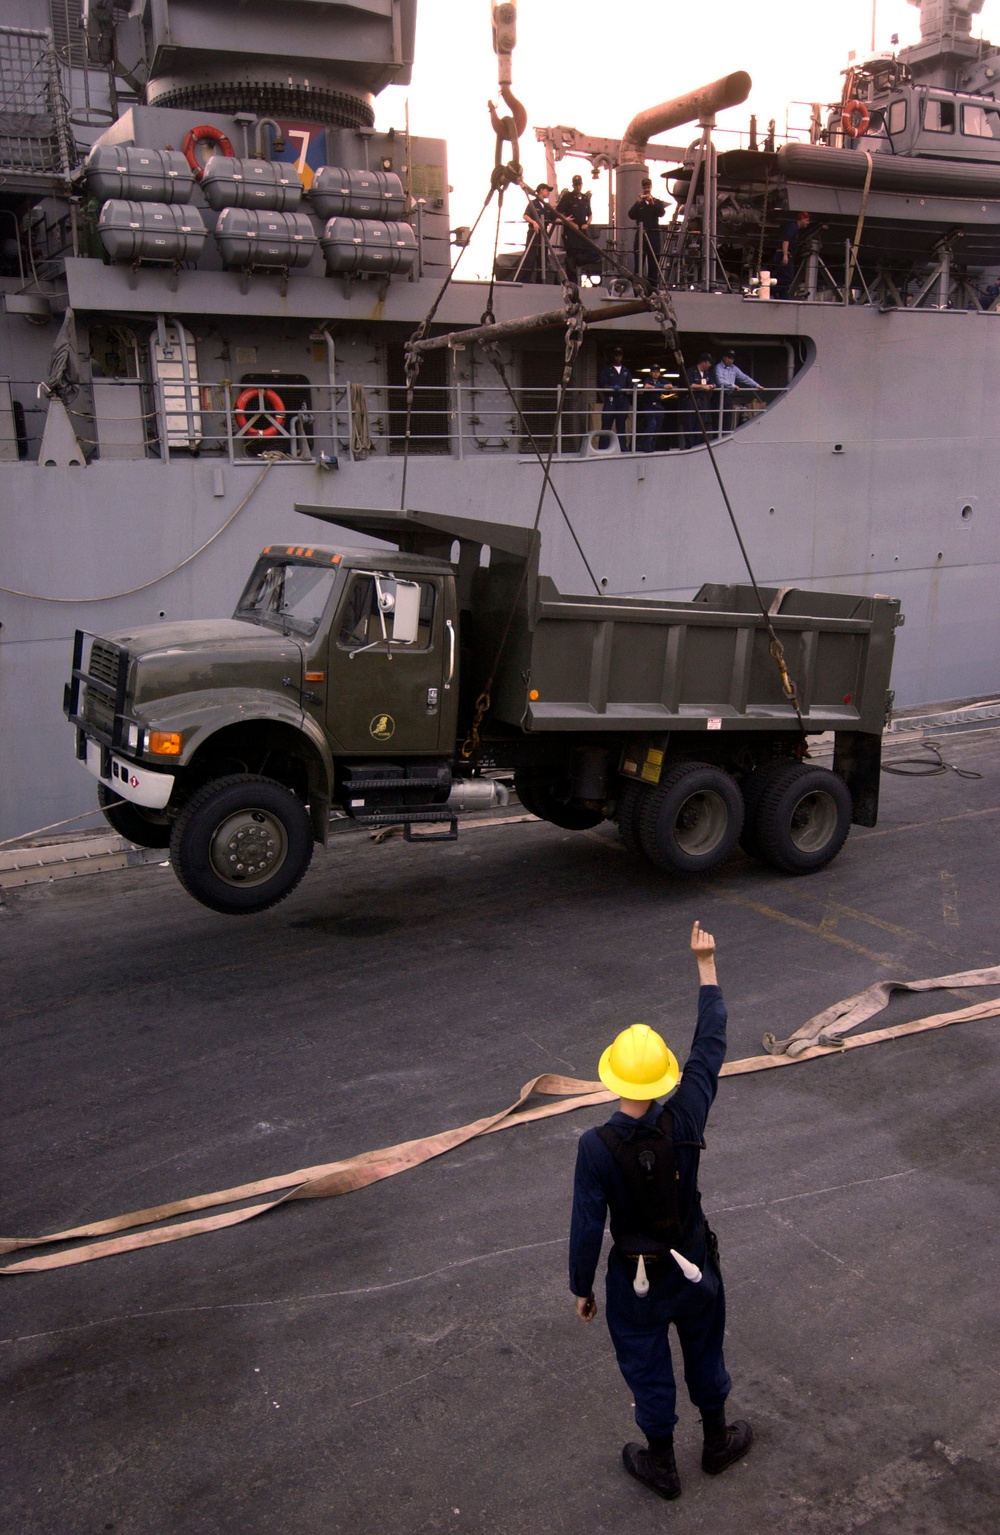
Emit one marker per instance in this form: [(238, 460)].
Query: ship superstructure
[(212, 263)]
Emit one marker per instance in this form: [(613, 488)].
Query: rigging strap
[(856, 242)]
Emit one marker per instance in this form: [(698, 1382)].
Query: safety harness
[(650, 1221)]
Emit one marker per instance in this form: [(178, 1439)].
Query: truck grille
[(103, 666), (104, 662)]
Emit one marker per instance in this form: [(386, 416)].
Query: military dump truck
[(407, 685)]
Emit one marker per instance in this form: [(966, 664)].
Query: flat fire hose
[(822, 1035)]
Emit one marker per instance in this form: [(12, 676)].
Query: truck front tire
[(691, 822), (803, 818), (241, 844), (146, 828)]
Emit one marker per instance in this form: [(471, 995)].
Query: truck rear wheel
[(692, 821), (241, 844), (547, 796), (753, 787), (803, 818), (146, 828), (630, 802)]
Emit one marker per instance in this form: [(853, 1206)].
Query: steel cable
[(920, 767)]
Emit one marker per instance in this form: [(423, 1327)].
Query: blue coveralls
[(639, 1325), (617, 403)]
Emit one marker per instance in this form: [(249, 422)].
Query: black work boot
[(654, 1465), (724, 1442)]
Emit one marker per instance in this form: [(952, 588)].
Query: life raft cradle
[(823, 1035)]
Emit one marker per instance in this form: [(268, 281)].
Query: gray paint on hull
[(909, 396)]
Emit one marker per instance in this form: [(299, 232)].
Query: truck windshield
[(287, 597)]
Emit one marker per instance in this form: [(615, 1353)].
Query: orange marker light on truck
[(533, 695), (165, 743)]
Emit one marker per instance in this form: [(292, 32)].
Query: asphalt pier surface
[(406, 1358)]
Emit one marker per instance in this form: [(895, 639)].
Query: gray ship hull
[(877, 471)]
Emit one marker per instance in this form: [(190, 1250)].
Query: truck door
[(393, 651)]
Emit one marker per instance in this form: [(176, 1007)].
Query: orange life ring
[(204, 134), (854, 129), (274, 414)]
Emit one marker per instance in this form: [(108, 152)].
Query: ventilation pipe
[(697, 106)]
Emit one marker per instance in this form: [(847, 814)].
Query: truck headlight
[(164, 743), (132, 738)]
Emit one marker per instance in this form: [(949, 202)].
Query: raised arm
[(703, 949), (700, 1077)]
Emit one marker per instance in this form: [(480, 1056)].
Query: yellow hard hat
[(639, 1065)]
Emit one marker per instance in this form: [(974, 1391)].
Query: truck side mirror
[(406, 613), (398, 602)]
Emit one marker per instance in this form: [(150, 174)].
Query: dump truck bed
[(611, 664), (633, 664)]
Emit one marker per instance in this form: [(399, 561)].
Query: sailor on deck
[(539, 215), (642, 1165), (730, 378), (647, 212), (616, 380), (783, 264)]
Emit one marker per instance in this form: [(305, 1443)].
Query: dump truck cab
[(378, 638)]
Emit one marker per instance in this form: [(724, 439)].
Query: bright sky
[(592, 64)]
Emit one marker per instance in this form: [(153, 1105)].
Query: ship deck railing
[(135, 418), (680, 264)]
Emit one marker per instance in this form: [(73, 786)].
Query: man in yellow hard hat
[(663, 1268)]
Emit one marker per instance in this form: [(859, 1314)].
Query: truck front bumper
[(143, 786)]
